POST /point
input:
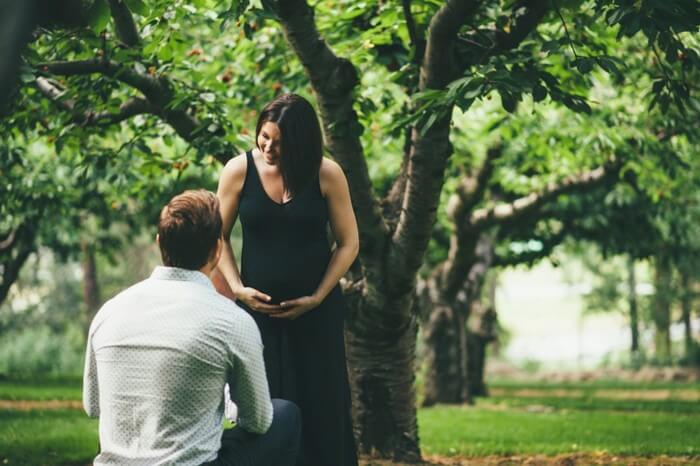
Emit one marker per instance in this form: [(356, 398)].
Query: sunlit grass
[(477, 432)]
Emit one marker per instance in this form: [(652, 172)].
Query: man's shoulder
[(119, 300)]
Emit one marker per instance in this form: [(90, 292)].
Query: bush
[(40, 351)]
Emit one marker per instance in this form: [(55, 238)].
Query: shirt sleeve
[(248, 381), (91, 395)]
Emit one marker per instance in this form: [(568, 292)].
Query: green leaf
[(539, 92), (137, 6), (508, 101), (583, 64), (98, 16)]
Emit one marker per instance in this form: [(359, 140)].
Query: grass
[(477, 432), (31, 438), (65, 388), (595, 404), (571, 420)]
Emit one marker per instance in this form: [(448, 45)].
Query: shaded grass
[(476, 432), (47, 437), (47, 389)]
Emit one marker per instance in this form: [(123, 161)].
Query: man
[(160, 353)]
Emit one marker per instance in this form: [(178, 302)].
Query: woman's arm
[(229, 192), (334, 187)]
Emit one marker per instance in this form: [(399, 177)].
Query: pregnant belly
[(287, 279)]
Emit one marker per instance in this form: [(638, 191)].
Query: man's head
[(189, 230)]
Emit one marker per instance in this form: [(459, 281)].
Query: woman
[(287, 193)]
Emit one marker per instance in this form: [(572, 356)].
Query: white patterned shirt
[(158, 356)]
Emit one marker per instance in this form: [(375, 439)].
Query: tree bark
[(380, 343), (479, 336), (449, 370), (91, 288), (632, 301), (661, 310), (686, 309)]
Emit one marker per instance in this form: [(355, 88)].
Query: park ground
[(534, 423)]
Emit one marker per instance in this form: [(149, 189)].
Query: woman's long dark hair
[(301, 145)]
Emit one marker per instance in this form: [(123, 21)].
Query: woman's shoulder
[(234, 171), (330, 169), (331, 175)]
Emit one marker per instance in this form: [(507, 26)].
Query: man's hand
[(293, 308)]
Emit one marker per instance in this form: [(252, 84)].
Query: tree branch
[(156, 90), (130, 108), (471, 189), (333, 80), (8, 241), (151, 87), (418, 43), (429, 151), (503, 213), (527, 14), (124, 23)]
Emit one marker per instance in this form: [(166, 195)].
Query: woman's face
[(269, 139)]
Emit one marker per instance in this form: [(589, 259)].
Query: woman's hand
[(293, 308), (257, 300)]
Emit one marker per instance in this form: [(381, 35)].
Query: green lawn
[(551, 419), (46, 437), (479, 431)]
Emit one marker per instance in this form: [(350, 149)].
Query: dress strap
[(250, 171)]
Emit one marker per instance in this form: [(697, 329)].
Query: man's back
[(161, 353)]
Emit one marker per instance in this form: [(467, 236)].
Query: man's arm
[(91, 395), (248, 381)]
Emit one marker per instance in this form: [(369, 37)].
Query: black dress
[(285, 255)]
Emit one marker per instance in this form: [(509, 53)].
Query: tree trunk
[(91, 289), (444, 378), (686, 308), (14, 252), (661, 311), (480, 335), (380, 344), (454, 355), (476, 361), (632, 300)]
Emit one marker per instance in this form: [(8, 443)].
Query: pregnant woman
[(286, 194)]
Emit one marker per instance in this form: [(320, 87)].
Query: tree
[(426, 59)]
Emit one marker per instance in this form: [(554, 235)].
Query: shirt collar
[(175, 273)]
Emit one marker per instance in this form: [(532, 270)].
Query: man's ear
[(158, 239), (219, 248)]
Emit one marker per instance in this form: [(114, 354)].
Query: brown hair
[(301, 143), (188, 229)]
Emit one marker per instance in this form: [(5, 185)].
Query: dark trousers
[(279, 446)]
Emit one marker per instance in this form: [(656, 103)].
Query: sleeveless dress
[(285, 255)]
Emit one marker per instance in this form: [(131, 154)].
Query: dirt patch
[(25, 405), (538, 393), (579, 459)]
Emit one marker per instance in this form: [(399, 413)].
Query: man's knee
[(287, 414)]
